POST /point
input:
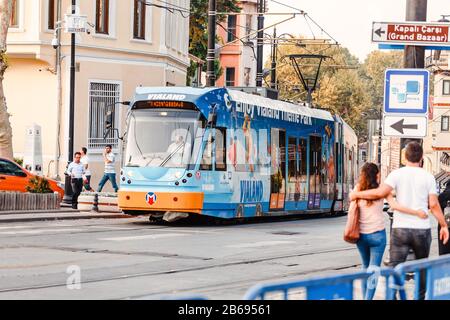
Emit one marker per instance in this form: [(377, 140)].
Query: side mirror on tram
[(212, 119), (109, 119)]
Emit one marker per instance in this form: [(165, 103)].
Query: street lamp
[(56, 44)]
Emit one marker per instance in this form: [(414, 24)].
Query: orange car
[(15, 178)]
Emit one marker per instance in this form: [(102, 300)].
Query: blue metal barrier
[(323, 288), (437, 272), (184, 297)]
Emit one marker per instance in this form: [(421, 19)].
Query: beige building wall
[(160, 59), (30, 89)]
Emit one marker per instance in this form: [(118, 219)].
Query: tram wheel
[(240, 211), (259, 210)]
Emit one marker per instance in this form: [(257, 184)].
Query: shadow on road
[(196, 220)]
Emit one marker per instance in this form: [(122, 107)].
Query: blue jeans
[(111, 177), (371, 248)]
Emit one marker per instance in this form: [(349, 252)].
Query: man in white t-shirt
[(85, 161), (414, 188), (110, 171)]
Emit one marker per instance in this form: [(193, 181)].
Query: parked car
[(15, 178)]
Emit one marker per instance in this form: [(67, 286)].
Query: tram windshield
[(161, 138)]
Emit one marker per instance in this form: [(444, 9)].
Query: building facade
[(439, 120), (238, 57), (130, 44)]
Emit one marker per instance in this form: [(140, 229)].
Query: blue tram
[(229, 154)]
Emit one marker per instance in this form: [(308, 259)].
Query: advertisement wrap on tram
[(228, 154)]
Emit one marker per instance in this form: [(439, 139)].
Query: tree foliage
[(198, 30), (346, 87), (38, 185)]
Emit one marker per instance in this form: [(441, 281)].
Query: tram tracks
[(190, 269)]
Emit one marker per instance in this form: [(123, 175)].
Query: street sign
[(405, 126), (411, 33), (75, 23), (406, 91)]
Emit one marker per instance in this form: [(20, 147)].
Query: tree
[(198, 30), (341, 91), (6, 150), (373, 69)]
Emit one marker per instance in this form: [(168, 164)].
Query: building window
[(101, 96), (445, 123), (139, 20), (51, 15), (446, 87), (102, 17), (231, 28), (229, 77), (14, 22)]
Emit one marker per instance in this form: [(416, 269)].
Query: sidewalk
[(61, 214)]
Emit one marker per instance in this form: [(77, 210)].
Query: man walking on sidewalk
[(76, 172), (415, 188), (85, 161), (110, 172)]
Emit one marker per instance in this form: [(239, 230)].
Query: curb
[(60, 218), (2, 213)]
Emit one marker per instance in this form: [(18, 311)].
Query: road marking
[(38, 231), (259, 244), (111, 228), (149, 236), (16, 227)]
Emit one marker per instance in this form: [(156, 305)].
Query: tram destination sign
[(150, 104), (411, 33)]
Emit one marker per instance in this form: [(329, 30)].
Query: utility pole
[(68, 192), (58, 89), (211, 55), (416, 10), (273, 67), (72, 89), (259, 46)]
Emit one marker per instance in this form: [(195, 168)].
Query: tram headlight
[(178, 174), (130, 173)]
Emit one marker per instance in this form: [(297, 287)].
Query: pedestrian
[(444, 199), (85, 161), (76, 172), (372, 241), (110, 172), (416, 188)]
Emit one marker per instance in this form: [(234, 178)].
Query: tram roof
[(238, 96)]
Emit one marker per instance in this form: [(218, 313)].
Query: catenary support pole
[(414, 57), (211, 56), (68, 192), (273, 67), (259, 45)]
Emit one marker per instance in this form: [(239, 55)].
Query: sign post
[(406, 97)]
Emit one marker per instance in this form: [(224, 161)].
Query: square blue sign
[(406, 91)]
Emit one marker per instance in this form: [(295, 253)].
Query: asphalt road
[(136, 259)]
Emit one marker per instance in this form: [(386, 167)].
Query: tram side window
[(337, 160), (303, 173), (293, 178), (215, 149), (206, 163), (221, 153)]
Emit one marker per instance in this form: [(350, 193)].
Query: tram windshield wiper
[(163, 163)]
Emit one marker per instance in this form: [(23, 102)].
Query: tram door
[(278, 169), (315, 152)]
